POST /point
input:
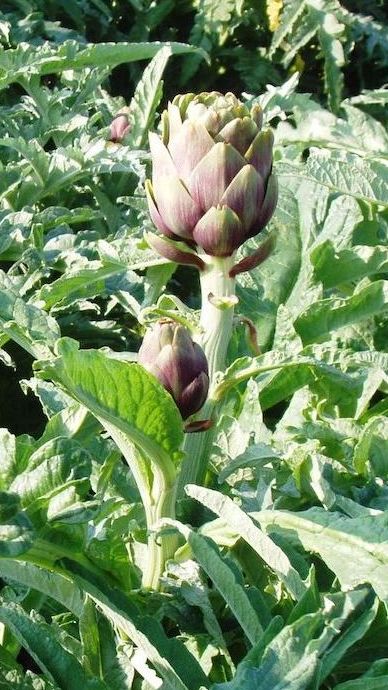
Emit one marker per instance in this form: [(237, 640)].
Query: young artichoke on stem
[(169, 353), (212, 188)]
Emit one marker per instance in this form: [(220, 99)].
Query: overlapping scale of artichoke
[(169, 353), (212, 182)]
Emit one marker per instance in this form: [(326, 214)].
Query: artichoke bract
[(212, 183), (169, 353)]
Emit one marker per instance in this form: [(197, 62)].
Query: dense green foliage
[(279, 578)]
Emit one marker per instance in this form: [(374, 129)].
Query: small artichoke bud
[(169, 353), (119, 127), (212, 181)]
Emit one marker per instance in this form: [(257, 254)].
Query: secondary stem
[(216, 324), (160, 547)]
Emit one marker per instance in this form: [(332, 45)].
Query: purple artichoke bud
[(169, 353), (212, 181), (119, 128)]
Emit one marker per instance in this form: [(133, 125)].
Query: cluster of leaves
[(280, 580), (339, 48)]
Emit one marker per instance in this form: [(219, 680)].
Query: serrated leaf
[(29, 326), (16, 531), (371, 450), (289, 661), (216, 567), (147, 98), (171, 660), (57, 585), (340, 541), (32, 152), (348, 173), (83, 283), (42, 644), (359, 611), (280, 376), (242, 524), (90, 638), (333, 267), (292, 11), (8, 458), (330, 31), (261, 290), (25, 60), (327, 315), (54, 466)]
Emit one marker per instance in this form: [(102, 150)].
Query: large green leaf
[(340, 541), (25, 60), (171, 660), (81, 283), (330, 32), (28, 325), (55, 466), (289, 661), (220, 572), (42, 644), (350, 174), (126, 399), (332, 313), (16, 531), (334, 268), (147, 98), (241, 524), (280, 376), (261, 290), (57, 585)]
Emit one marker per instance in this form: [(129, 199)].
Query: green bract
[(212, 181)]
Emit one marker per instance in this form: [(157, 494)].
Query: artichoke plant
[(212, 188), (212, 181), (169, 353)]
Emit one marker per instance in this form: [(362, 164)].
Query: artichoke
[(119, 127), (169, 353), (212, 182)]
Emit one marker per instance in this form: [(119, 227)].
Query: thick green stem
[(216, 324), (160, 547), (156, 479)]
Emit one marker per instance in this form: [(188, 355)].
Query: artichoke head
[(169, 353), (212, 183)]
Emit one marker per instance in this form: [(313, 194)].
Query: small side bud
[(119, 127), (169, 353)]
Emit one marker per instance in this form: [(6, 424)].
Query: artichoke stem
[(216, 322), (160, 547)]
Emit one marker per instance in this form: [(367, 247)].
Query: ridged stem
[(160, 547), (216, 324)]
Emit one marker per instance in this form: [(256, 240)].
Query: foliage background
[(302, 436)]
